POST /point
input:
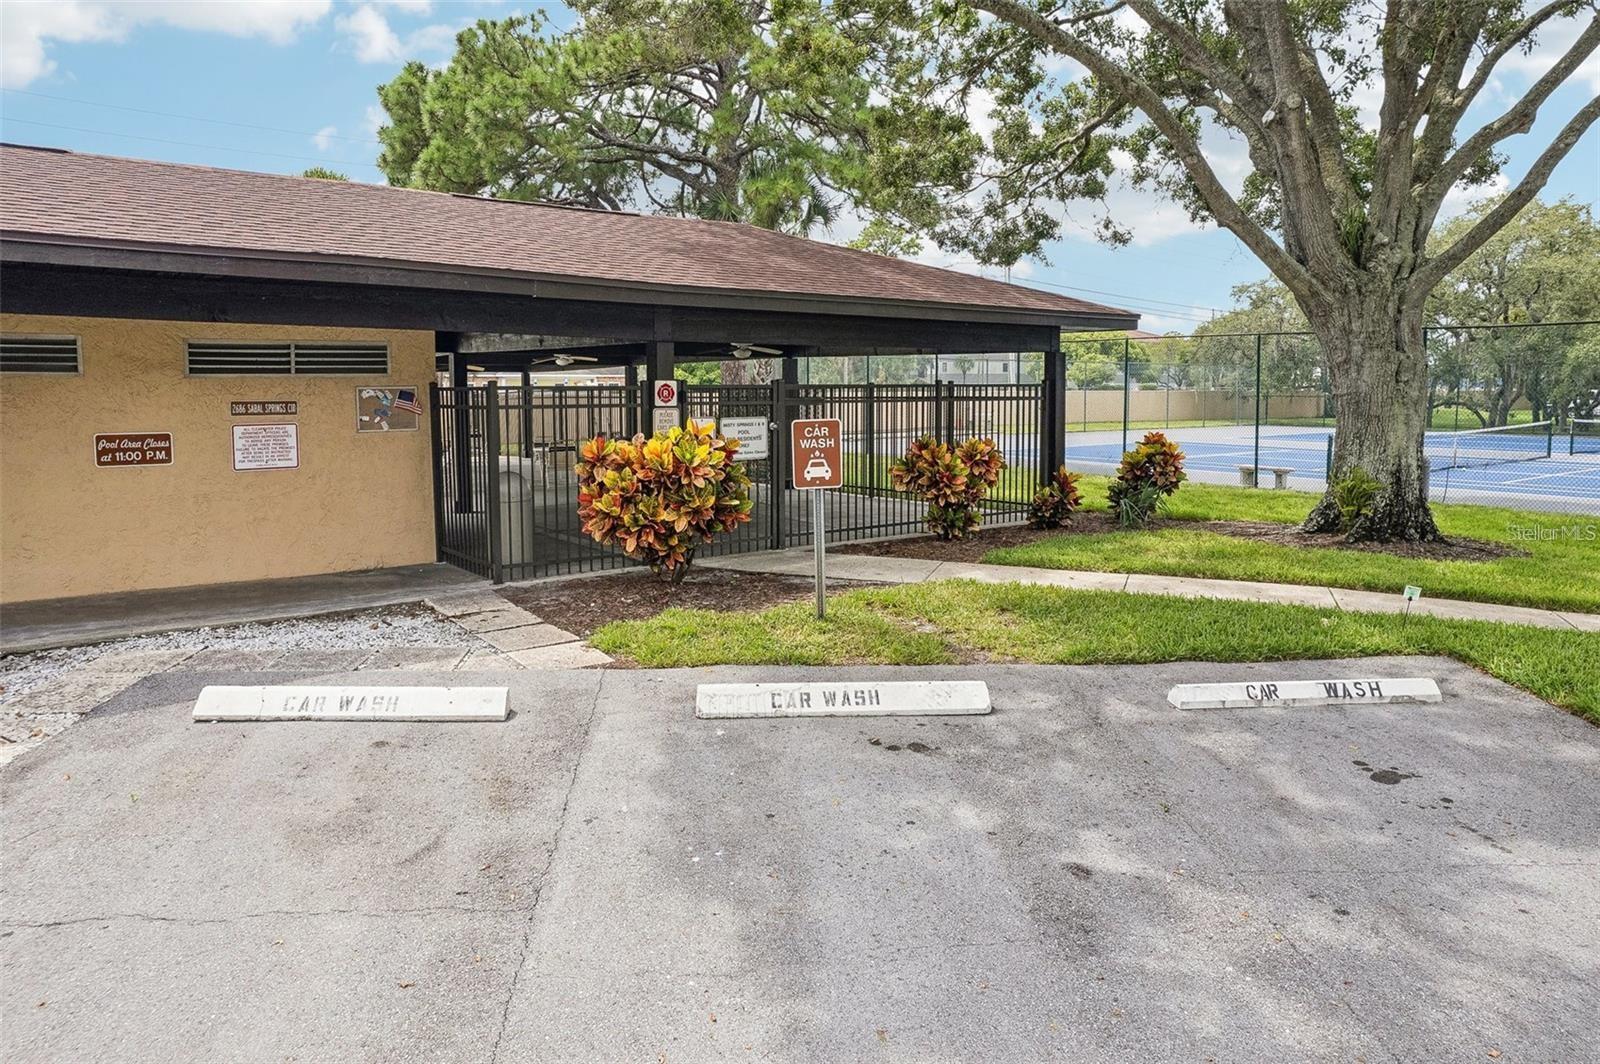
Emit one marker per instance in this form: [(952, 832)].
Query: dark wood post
[(491, 440), (633, 374), (1053, 416), (526, 426), (436, 424), (463, 431), (660, 364), (869, 420), (778, 462)]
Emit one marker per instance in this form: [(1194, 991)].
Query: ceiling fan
[(745, 350), (563, 359)]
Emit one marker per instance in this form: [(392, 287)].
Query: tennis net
[(1474, 448), (1585, 438)]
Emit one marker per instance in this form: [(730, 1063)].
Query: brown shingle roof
[(69, 197)]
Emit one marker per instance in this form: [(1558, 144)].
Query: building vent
[(39, 354), (341, 358), (213, 358), (206, 359)]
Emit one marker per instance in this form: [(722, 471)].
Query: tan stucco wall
[(69, 527)]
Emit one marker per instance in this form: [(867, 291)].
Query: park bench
[(1280, 476)]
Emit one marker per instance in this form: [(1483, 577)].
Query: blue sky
[(280, 85)]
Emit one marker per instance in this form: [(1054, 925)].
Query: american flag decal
[(406, 399)]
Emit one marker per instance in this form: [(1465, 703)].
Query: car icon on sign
[(818, 469)]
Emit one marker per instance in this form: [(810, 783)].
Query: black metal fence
[(505, 458), (505, 487)]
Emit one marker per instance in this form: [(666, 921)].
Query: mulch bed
[(1460, 549), (585, 604), (973, 548)]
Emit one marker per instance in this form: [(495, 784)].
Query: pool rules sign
[(816, 462)]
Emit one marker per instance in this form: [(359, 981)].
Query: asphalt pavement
[(1085, 874)]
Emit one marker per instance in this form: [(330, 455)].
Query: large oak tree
[(1339, 209)]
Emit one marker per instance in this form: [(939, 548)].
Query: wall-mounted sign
[(266, 447), (816, 452), (664, 420), (263, 407), (132, 448), (666, 393), (387, 409), (751, 432)]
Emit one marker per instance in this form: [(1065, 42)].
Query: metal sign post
[(816, 451), (819, 546)]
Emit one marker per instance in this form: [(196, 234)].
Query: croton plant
[(951, 480), (661, 498)]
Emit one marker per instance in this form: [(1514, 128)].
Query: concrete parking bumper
[(1084, 874)]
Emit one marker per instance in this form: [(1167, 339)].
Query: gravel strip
[(393, 626)]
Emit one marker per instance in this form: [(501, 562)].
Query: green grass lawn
[(1562, 573), (951, 621)]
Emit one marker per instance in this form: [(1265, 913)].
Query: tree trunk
[(751, 370), (1378, 369)]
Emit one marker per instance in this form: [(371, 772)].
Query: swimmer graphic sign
[(387, 410)]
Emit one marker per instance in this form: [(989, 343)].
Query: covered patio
[(505, 286)]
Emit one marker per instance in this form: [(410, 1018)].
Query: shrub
[(661, 498), (1354, 494), (950, 480), (1150, 472), (1135, 504), (1053, 504), (1154, 460)]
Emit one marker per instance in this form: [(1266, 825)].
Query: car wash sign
[(816, 445), (817, 454)]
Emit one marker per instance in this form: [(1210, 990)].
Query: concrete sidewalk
[(800, 562), (67, 622)]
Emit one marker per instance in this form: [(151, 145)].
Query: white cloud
[(1179, 321), (438, 39), (369, 32), (980, 113), (375, 41), (323, 138), (410, 7), (376, 116), (28, 28), (1551, 44), (1461, 198)]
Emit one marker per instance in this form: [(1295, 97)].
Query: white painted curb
[(715, 701), (224, 703)]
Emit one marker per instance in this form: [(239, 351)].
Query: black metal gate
[(505, 489)]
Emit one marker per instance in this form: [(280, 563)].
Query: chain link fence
[(1514, 410)]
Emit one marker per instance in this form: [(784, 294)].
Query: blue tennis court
[(1505, 469)]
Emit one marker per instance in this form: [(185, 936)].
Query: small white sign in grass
[(844, 698), (1364, 691), (225, 703)]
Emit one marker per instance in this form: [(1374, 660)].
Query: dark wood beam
[(34, 289), (244, 266)]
